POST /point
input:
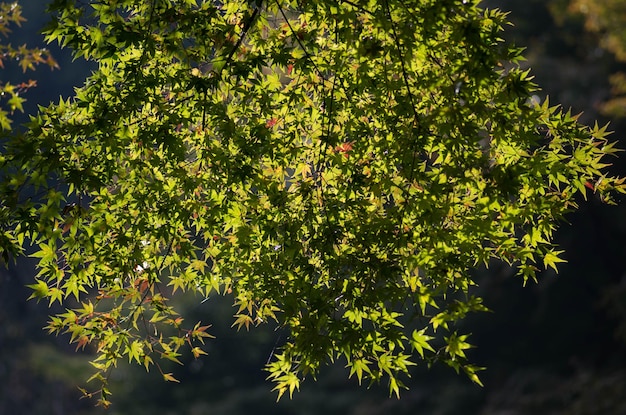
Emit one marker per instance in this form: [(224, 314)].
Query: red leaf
[(82, 342), (344, 148)]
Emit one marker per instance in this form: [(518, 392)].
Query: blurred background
[(556, 347)]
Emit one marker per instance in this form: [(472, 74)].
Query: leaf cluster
[(28, 58), (11, 100)]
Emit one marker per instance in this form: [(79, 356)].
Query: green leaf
[(420, 341), (40, 290), (135, 351), (551, 258)]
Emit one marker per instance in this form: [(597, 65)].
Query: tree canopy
[(338, 167)]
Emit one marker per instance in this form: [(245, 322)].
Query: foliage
[(607, 19), (337, 167), (11, 101), (28, 58)]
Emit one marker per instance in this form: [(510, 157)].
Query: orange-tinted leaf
[(82, 342)]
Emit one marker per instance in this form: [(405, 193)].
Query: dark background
[(555, 347)]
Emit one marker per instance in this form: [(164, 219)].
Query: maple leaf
[(344, 148)]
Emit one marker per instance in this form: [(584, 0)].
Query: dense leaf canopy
[(338, 167)]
